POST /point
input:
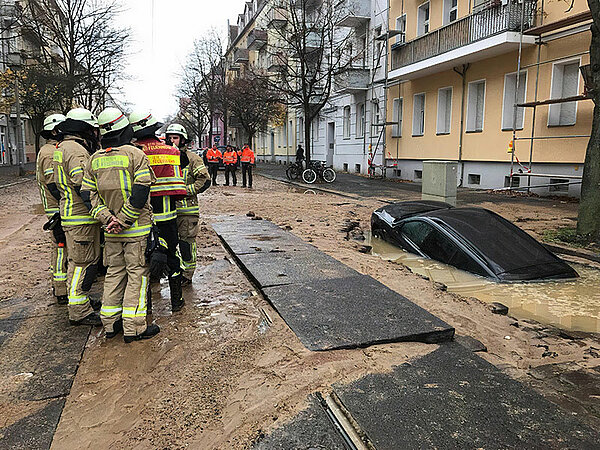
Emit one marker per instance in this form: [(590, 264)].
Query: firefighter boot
[(177, 300), (117, 328), (92, 319), (150, 331)]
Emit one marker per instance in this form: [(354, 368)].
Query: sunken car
[(473, 239)]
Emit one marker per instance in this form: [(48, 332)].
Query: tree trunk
[(210, 135), (588, 223), (307, 143)]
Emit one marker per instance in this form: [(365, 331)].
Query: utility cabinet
[(439, 181)]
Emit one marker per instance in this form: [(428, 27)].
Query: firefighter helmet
[(111, 119), (83, 115), (52, 121), (175, 128), (142, 119)]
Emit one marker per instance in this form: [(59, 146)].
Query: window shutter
[(570, 80)]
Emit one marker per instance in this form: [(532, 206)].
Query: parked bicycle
[(317, 169), (293, 171)]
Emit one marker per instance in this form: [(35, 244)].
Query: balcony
[(354, 14), (257, 39), (277, 62), (352, 80), (484, 34), (240, 55), (277, 17)]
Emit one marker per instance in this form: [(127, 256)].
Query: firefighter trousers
[(188, 229), (83, 251), (168, 231), (58, 265), (125, 286)]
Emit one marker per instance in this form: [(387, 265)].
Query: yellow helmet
[(141, 119), (52, 121), (175, 128), (83, 115), (111, 119)]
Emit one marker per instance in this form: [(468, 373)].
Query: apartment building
[(247, 47), (454, 79)]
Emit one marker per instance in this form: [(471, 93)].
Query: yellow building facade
[(453, 84)]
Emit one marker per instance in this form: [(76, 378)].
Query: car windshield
[(506, 247)]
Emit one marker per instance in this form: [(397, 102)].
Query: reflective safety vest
[(68, 161), (165, 161), (230, 157), (247, 155), (213, 155)]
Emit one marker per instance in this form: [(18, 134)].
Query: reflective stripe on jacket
[(44, 174), (213, 155), (247, 155), (196, 176), (230, 157), (165, 161)]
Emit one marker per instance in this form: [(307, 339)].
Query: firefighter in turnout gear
[(45, 176), (169, 187), (230, 159), (82, 231), (118, 179), (197, 181)]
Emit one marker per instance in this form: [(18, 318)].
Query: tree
[(307, 50), (588, 223), (253, 103)]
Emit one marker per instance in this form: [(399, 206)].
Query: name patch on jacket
[(159, 160), (106, 162)]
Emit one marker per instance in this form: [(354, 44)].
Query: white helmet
[(52, 121), (111, 119), (175, 128), (141, 119), (83, 115)]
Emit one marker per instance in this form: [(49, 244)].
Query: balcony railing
[(240, 55), (353, 13), (355, 78), (277, 17), (277, 62), (256, 39), (483, 24)]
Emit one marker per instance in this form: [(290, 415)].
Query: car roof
[(506, 247), (398, 211)]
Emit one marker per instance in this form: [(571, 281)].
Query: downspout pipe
[(463, 74)]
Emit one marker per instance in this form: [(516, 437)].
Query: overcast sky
[(155, 63)]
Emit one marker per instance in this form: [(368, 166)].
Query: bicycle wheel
[(309, 176), (288, 172), (329, 175), (294, 173)]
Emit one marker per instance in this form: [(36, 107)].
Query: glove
[(158, 265), (59, 234)]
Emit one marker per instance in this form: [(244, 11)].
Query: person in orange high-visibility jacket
[(213, 156), (230, 159), (247, 164)]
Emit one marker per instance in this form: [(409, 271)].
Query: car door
[(433, 243)]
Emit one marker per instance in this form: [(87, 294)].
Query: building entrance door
[(330, 143), (272, 146)]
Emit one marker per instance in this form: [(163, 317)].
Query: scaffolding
[(538, 31)]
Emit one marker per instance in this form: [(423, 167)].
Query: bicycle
[(317, 169), (293, 171)]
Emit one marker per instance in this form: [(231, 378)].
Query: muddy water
[(568, 304)]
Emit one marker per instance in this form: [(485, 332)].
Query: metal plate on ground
[(311, 428), (452, 398), (353, 312), (260, 240), (301, 267)]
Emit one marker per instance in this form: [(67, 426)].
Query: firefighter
[(45, 176), (230, 159), (197, 181), (247, 164), (169, 187), (82, 231), (118, 179), (213, 156)]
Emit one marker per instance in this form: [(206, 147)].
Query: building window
[(397, 118), (508, 109), (345, 167), (423, 19), (516, 182), (397, 172), (346, 122), (315, 129), (559, 185), (419, 115), (301, 130), (565, 83), (475, 106), (357, 168), (418, 174), (376, 119), (444, 114), (360, 120), (401, 27), (474, 178), (450, 11)]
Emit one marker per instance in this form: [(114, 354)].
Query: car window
[(440, 247)]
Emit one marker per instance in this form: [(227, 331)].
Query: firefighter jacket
[(68, 162), (196, 176), (44, 173), (247, 155), (213, 155), (230, 157), (165, 161), (119, 180)]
